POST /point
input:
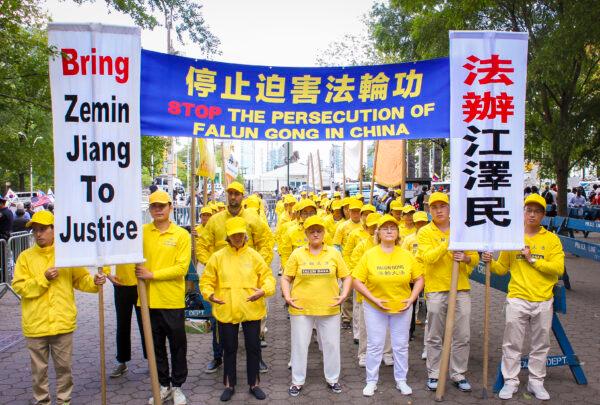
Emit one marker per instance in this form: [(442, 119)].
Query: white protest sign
[(487, 129), (95, 85)]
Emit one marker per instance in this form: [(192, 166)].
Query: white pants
[(356, 310), (520, 316), (377, 325), (362, 336), (328, 330)]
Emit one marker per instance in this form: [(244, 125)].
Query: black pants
[(228, 335), (216, 344), (125, 301), (170, 324)]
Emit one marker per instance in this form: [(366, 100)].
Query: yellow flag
[(206, 168), (388, 171)]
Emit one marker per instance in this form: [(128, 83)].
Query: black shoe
[(355, 341), (262, 367), (263, 343), (294, 390), (336, 388), (258, 393), (227, 394), (346, 325), (213, 366)]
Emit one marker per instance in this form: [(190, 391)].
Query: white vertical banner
[(95, 84), (488, 73)]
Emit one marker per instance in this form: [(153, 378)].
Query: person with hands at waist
[(168, 251), (433, 240), (310, 287), (383, 276), (236, 279), (49, 314), (533, 273)]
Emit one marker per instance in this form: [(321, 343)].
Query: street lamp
[(31, 168)]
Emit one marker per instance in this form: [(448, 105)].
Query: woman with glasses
[(383, 276)]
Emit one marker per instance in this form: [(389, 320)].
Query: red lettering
[(69, 62), (187, 109), (174, 108), (73, 64)]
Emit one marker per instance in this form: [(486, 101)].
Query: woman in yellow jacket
[(236, 279), (383, 276)]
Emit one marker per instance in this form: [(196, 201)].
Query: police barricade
[(11, 250), (568, 358)]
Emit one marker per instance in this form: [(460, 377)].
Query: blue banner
[(192, 97)]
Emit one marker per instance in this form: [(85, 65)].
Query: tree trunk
[(562, 177), (21, 182), (410, 160)]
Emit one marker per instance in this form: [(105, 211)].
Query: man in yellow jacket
[(533, 273), (48, 309), (168, 251), (433, 240)]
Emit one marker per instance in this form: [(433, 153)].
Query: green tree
[(563, 89)]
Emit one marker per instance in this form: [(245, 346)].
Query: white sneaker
[(403, 387), (165, 394), (538, 390), (362, 362), (424, 354), (388, 359), (369, 389), (507, 391), (178, 397)]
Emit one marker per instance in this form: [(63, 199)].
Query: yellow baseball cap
[(237, 186), (206, 210), (420, 216), (355, 204), (386, 218), (337, 194), (408, 208), (315, 220), (373, 218), (398, 191), (358, 196), (220, 204), (323, 193), (251, 203), (437, 197), (367, 207), (336, 205), (535, 199), (161, 197), (303, 193), (289, 199), (42, 218), (345, 201), (305, 204), (235, 225), (396, 206)]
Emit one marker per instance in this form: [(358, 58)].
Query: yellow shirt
[(388, 275), (533, 282), (437, 260), (260, 237), (404, 231), (200, 230), (126, 274), (279, 207), (343, 230), (282, 219), (357, 253), (231, 275), (48, 307), (168, 256), (295, 237), (353, 239), (315, 284), (411, 243)]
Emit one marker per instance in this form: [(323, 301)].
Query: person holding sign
[(48, 308), (383, 276), (534, 271), (168, 251), (433, 240), (236, 279), (311, 290)]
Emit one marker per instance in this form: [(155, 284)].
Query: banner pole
[(320, 172), (149, 342), (373, 171), (486, 329), (312, 171), (212, 189), (193, 197), (403, 165), (344, 168), (448, 331), (102, 345), (360, 169)]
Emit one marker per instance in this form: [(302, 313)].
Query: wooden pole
[(102, 346), (212, 189), (143, 294), (486, 330), (223, 180), (344, 169), (307, 173), (445, 359), (193, 197), (320, 172), (403, 165), (312, 171), (360, 168), (373, 171)]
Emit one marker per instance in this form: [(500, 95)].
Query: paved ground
[(582, 323)]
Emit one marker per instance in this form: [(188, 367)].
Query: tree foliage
[(563, 90)]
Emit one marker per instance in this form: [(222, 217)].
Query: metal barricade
[(12, 248)]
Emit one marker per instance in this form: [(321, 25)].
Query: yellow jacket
[(357, 254), (48, 307), (168, 256), (437, 260), (293, 238), (343, 230), (353, 239), (230, 275), (281, 221), (260, 237), (533, 282), (279, 207)]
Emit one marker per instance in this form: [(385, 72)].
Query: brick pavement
[(582, 323)]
